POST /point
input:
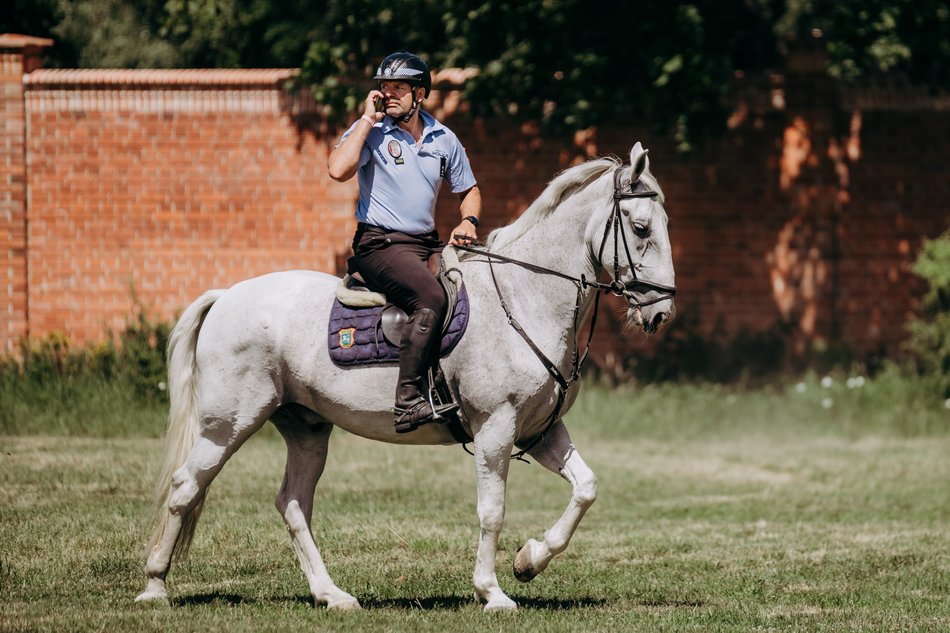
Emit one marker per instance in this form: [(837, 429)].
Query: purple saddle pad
[(355, 336)]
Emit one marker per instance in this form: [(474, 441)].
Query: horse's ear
[(639, 160)]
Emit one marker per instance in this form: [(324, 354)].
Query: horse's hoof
[(155, 597), (503, 603), (155, 591), (346, 604), (498, 602), (522, 566), (525, 569)]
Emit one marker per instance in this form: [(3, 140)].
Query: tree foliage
[(564, 63), (867, 37)]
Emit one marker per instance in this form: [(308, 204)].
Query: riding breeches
[(396, 264)]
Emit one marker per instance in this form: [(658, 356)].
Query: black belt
[(431, 235)]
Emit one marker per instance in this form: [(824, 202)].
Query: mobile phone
[(380, 104)]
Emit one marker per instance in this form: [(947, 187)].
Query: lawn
[(718, 509)]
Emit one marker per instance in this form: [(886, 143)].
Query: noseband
[(616, 286)]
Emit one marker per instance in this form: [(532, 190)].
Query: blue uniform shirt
[(399, 180)]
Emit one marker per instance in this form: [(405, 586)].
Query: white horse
[(258, 352)]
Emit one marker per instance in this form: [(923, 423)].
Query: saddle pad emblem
[(347, 337)]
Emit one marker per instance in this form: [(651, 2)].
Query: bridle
[(615, 286)]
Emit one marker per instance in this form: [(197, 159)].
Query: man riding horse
[(400, 155)]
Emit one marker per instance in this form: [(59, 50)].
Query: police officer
[(401, 155)]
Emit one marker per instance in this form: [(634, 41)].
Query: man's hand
[(369, 106), (344, 158), (463, 234)]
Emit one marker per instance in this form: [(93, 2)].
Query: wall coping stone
[(15, 40), (192, 77)]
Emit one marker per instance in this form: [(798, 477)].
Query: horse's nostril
[(659, 319)]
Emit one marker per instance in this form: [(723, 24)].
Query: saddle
[(365, 329)]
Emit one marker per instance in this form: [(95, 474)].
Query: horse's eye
[(641, 229)]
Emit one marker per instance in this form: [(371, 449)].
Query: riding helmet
[(404, 66)]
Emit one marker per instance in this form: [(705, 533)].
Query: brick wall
[(170, 182), (167, 183)]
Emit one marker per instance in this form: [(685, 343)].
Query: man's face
[(398, 97)]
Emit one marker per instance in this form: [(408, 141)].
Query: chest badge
[(395, 150)]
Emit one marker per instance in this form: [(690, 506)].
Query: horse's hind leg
[(218, 439), (557, 454), (307, 439)]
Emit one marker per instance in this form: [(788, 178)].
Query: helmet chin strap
[(415, 104)]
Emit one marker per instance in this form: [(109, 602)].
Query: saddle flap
[(392, 321)]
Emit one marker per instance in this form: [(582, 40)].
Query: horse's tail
[(182, 418)]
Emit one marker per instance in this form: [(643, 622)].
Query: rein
[(616, 286)]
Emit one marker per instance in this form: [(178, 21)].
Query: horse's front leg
[(493, 442), (556, 453)]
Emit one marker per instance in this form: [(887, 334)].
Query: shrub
[(112, 388), (929, 342)]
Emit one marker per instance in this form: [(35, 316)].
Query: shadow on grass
[(429, 603), (234, 599), (458, 602), (537, 604)]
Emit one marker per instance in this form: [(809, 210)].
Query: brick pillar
[(19, 55)]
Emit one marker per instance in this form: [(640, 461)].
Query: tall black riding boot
[(413, 408)]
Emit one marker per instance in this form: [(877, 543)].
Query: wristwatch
[(472, 219)]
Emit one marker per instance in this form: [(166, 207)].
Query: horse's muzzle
[(650, 319)]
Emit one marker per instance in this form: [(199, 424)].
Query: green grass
[(719, 509)]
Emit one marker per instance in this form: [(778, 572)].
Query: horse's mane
[(560, 188)]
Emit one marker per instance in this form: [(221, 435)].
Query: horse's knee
[(491, 517)]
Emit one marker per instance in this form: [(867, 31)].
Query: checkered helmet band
[(404, 66)]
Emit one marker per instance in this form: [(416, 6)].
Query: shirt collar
[(429, 125)]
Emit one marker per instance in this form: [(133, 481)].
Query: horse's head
[(634, 245)]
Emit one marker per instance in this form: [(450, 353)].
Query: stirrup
[(420, 413)]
